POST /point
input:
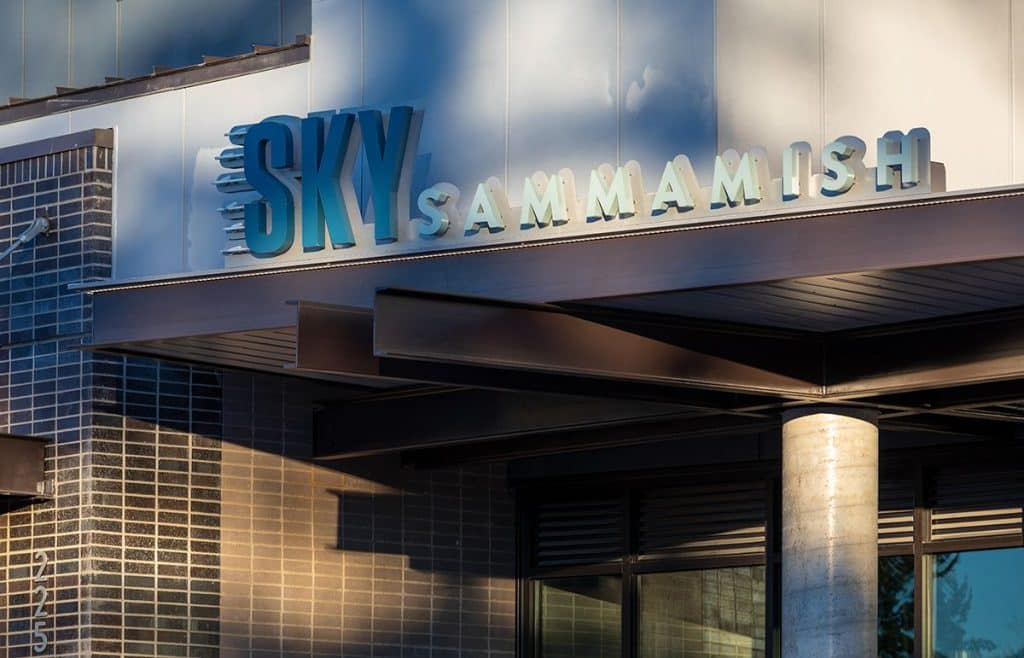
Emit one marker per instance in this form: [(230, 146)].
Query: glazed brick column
[(188, 517), (154, 517), (44, 389), (131, 532)]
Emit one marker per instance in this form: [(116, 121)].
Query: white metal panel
[(336, 54), (1017, 93), (148, 189), (563, 87), (448, 59), (668, 84), (210, 110), (34, 129), (942, 65), (769, 75)]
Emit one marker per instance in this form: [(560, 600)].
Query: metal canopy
[(22, 468), (900, 305)]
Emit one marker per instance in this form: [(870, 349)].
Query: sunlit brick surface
[(188, 518), (357, 557)]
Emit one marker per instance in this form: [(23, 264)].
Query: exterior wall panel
[(449, 60), (667, 85), (336, 67), (148, 230), (187, 517), (563, 87), (12, 35), (768, 57), (46, 46), (178, 33), (93, 41), (578, 97), (205, 118), (1017, 92), (34, 129), (945, 66)]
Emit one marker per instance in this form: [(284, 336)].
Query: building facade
[(632, 328)]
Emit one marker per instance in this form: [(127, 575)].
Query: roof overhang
[(779, 316)]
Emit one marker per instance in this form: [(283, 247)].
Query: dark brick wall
[(188, 518), (44, 383), (357, 557), (153, 494), (131, 534)]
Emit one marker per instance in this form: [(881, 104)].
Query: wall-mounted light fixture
[(40, 224)]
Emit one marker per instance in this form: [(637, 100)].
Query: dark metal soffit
[(725, 367)]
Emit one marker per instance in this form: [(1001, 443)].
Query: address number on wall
[(40, 595)]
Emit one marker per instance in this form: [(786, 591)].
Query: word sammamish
[(303, 171)]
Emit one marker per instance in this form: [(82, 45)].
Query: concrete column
[(829, 533)]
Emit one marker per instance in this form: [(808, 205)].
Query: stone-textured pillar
[(829, 533)]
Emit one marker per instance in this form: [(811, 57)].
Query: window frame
[(925, 465), (922, 463), (630, 566)]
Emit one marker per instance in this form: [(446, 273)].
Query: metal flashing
[(103, 137), (162, 79)]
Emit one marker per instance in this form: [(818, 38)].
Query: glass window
[(896, 606), (715, 613), (977, 604), (580, 617)]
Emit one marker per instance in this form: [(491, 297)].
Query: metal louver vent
[(578, 532), (717, 520), (895, 512), (973, 505)]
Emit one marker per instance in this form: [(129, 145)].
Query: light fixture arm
[(39, 225)]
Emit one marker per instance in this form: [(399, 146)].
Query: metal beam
[(920, 367), (349, 428), (968, 350), (440, 329), (974, 226), (547, 443), (958, 398), (335, 340)]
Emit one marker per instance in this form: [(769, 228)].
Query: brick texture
[(188, 518), (356, 558)]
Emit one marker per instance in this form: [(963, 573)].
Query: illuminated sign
[(302, 173)]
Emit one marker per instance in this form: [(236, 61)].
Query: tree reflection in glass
[(978, 604), (896, 606)]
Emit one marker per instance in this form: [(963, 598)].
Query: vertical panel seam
[(70, 43), (508, 87), (715, 104), (117, 38), (24, 50), (1013, 92), (821, 74), (362, 52), (364, 203), (184, 190), (618, 83)]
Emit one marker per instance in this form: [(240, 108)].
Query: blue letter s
[(276, 239)]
